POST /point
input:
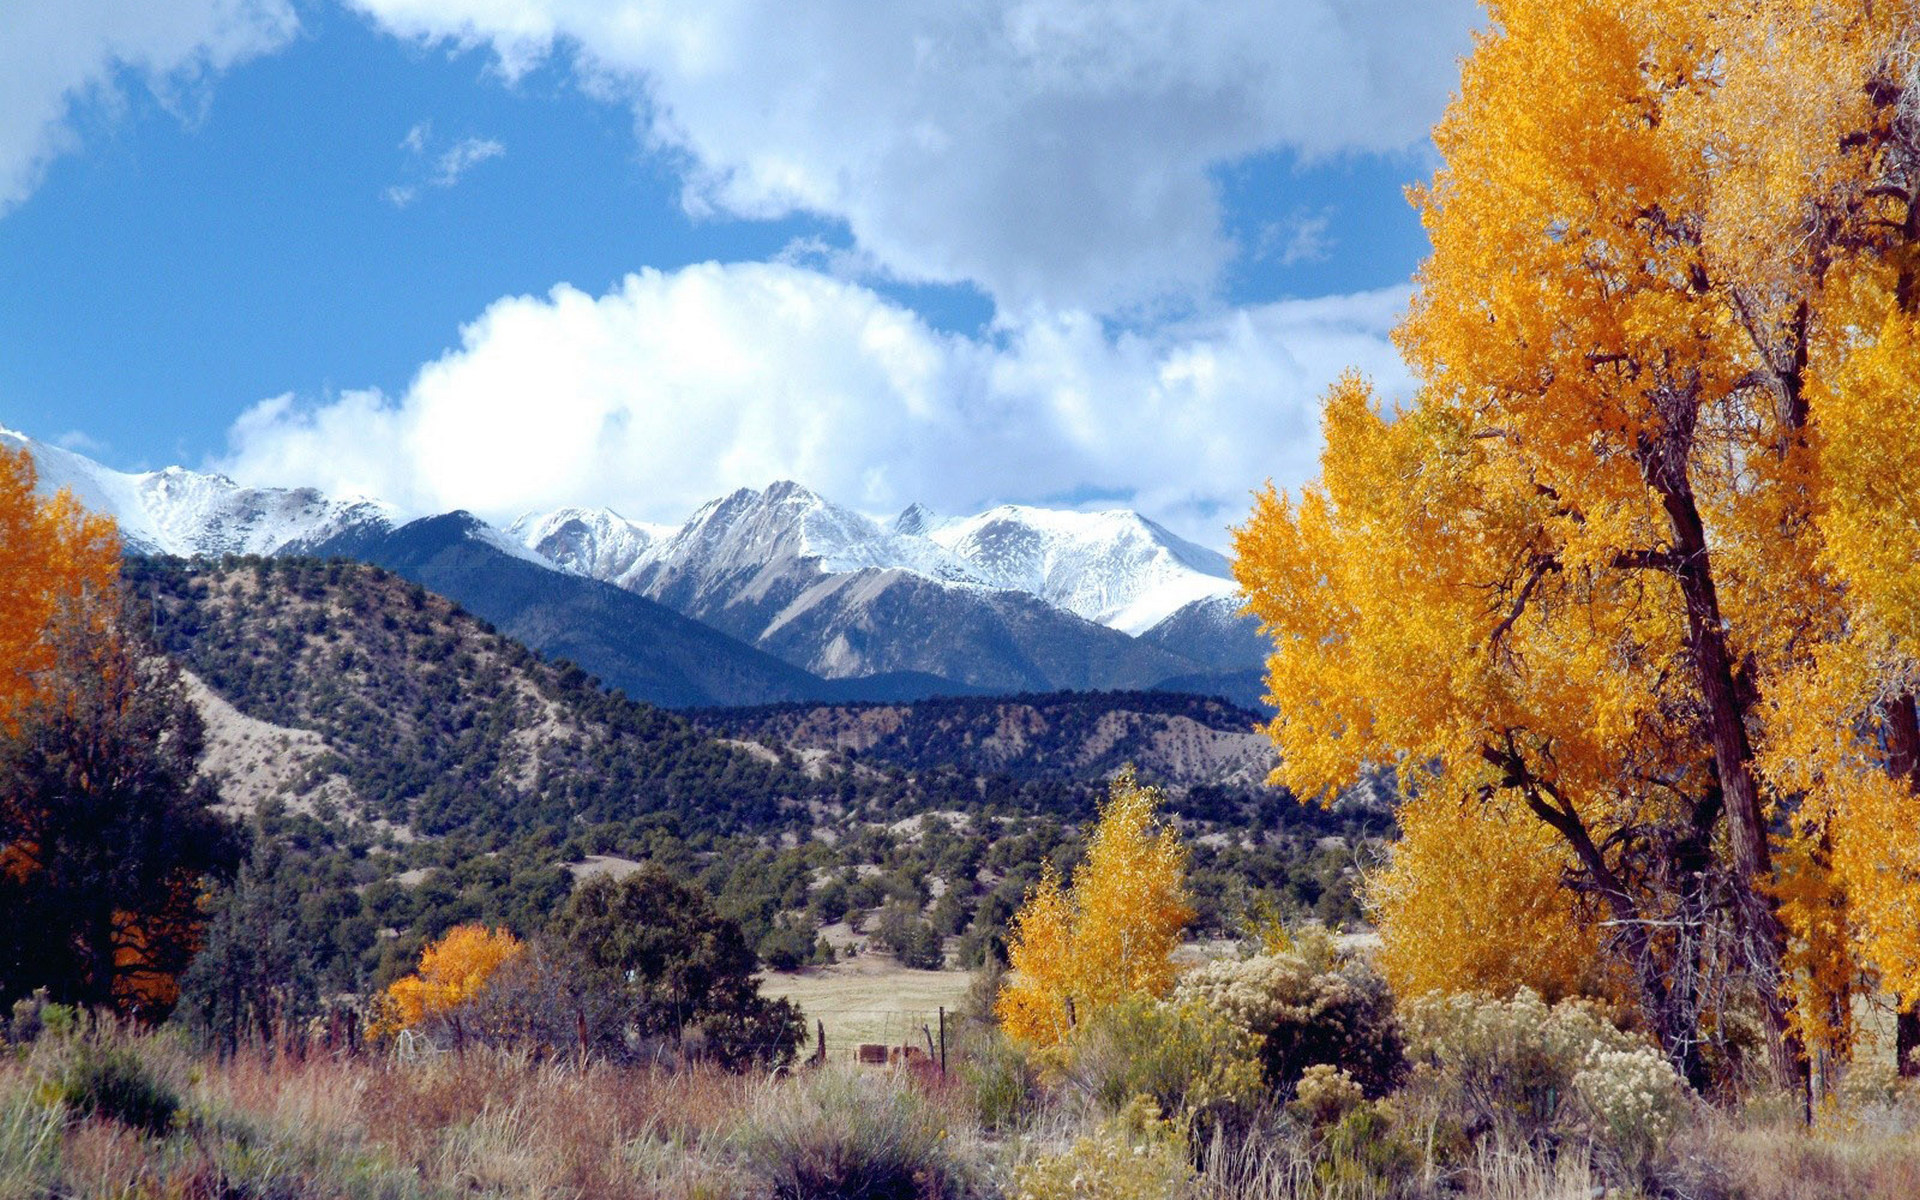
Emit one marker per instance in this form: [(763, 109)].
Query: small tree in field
[(452, 973), (1076, 951)]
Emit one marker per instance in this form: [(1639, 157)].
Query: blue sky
[(506, 254)]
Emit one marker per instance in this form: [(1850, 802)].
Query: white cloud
[(57, 55), (676, 387), (444, 169), (462, 157), (1301, 237), (1052, 151), (80, 443)]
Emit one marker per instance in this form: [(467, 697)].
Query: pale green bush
[(1306, 1009), (834, 1134), (1324, 1095), (1133, 1155), (1529, 1072), (1196, 1065), (999, 1079)]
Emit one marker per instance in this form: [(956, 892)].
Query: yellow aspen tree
[(452, 971), (1620, 566), (1076, 951), (54, 555)]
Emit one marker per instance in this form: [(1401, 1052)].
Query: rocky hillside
[(1176, 740), (411, 711)]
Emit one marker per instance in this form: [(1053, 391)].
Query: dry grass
[(871, 998), (1871, 1154), (496, 1125)]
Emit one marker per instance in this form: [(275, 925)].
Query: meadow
[(104, 1113), (870, 998)]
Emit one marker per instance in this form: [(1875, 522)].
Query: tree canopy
[(1076, 951), (1628, 586), (106, 830)]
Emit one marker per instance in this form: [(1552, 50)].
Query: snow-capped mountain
[(1114, 568), (177, 511), (1012, 599), (1016, 597), (596, 542)]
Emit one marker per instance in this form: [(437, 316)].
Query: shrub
[(1306, 1012), (1324, 1095), (1544, 1074), (1196, 1065), (999, 1079), (678, 965), (29, 1017), (1133, 1155), (102, 1079), (1365, 1154), (836, 1134), (788, 946)]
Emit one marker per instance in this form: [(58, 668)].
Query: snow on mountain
[(177, 511), (1113, 568), (788, 522), (595, 542)]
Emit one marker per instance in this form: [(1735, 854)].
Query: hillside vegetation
[(413, 769), (1179, 740)]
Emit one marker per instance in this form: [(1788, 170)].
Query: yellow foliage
[(1075, 952), (452, 971), (54, 556), (1463, 893), (1639, 556)]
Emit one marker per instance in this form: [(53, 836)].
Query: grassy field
[(871, 998)]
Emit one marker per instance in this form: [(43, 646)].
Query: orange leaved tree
[(54, 556), (107, 831), (1628, 589), (452, 971), (1077, 950)]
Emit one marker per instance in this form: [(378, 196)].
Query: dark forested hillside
[(433, 719)]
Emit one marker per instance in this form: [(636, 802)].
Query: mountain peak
[(913, 521), (185, 512)]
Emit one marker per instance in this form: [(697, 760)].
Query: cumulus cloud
[(1052, 151), (676, 387), (57, 56)]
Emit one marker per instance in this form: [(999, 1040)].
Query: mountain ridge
[(761, 595)]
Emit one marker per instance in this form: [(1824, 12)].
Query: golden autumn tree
[(1635, 566), (452, 971), (1074, 951), (107, 833), (54, 556)]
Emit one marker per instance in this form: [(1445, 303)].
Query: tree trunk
[(1906, 1040), (1663, 460), (1903, 762)]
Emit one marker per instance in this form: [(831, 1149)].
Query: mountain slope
[(176, 511), (830, 590), (1213, 632), (1181, 741), (414, 712), (645, 649), (1114, 568)]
